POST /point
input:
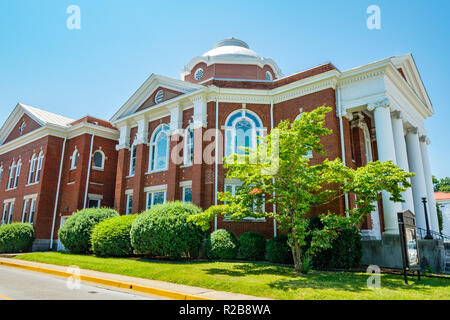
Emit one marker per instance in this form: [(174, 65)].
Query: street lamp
[(428, 236)]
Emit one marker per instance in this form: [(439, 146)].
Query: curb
[(108, 282)]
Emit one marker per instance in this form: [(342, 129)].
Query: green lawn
[(258, 279)]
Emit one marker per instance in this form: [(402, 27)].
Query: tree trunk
[(297, 255)]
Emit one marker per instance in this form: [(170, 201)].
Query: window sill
[(32, 184), (128, 177), (186, 166), (98, 169), (156, 171), (72, 169), (11, 189), (245, 220)]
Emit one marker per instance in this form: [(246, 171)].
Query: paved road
[(18, 284)]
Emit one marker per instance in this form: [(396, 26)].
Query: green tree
[(442, 185), (279, 167)]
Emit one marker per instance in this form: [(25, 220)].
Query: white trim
[(30, 196), (93, 196), (129, 191), (11, 200), (165, 129), (187, 183), (102, 167), (159, 188)]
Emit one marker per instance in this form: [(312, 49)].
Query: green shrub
[(111, 237), (16, 237), (252, 246), (163, 231), (278, 250), (75, 234), (222, 244), (346, 250)]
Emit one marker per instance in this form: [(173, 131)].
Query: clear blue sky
[(95, 70)]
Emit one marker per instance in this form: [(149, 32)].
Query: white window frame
[(4, 212), (230, 130), (185, 185), (10, 213), (17, 175), (33, 163), (268, 76), (95, 197), (159, 96), (1, 173), (198, 77), (165, 129), (102, 167), (39, 167), (25, 209), (150, 191), (12, 172), (74, 160), (129, 207), (32, 213), (188, 153), (132, 168)]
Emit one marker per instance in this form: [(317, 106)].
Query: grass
[(257, 279)]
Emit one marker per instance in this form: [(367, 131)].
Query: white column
[(402, 156), (434, 224), (418, 181), (200, 112), (386, 151), (142, 131), (124, 139), (176, 119)]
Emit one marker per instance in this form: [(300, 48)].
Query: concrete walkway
[(155, 287)]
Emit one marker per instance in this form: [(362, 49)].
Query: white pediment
[(153, 82)]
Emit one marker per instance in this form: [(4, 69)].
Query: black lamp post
[(428, 236)]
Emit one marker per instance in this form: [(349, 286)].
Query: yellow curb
[(108, 282)]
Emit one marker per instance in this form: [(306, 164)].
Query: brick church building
[(159, 146)]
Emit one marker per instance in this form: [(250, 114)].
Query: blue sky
[(94, 70)]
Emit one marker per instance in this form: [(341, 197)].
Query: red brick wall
[(31, 125)]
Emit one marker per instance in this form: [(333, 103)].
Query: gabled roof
[(409, 68), (42, 117), (148, 87)]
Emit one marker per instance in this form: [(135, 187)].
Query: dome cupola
[(231, 59)]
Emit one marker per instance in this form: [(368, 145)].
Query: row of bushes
[(16, 237), (163, 231)]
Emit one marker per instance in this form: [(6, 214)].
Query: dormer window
[(159, 96), (269, 76), (199, 74), (22, 127)]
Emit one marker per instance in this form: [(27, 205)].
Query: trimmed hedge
[(163, 231), (252, 246), (346, 251), (222, 244), (75, 234), (16, 237), (111, 237), (278, 250)]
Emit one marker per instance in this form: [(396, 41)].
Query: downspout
[(274, 206), (57, 192), (216, 165), (89, 172), (341, 131)]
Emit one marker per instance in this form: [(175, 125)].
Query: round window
[(159, 96), (198, 74)]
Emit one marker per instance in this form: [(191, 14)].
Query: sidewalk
[(155, 287)]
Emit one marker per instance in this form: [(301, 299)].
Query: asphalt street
[(18, 284)]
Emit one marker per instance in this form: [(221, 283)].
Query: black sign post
[(408, 241)]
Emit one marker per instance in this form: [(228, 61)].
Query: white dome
[(231, 51), (232, 48)]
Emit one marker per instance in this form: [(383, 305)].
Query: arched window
[(16, 178), (269, 76), (74, 162), (1, 173), (39, 167), (133, 151), (310, 154), (188, 146), (241, 131), (159, 149), (99, 160), (12, 172), (33, 162)]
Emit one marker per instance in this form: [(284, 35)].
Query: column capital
[(413, 130), (124, 139), (424, 139), (397, 115), (142, 133), (380, 103)]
